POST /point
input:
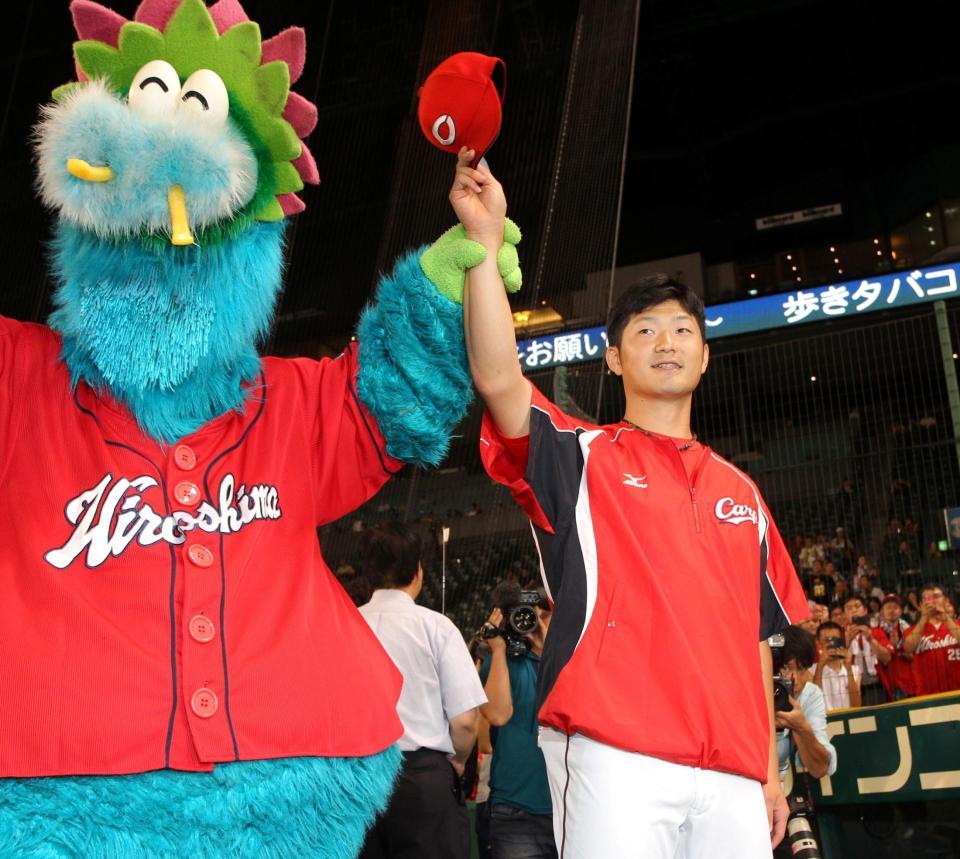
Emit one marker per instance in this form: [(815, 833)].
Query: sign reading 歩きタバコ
[(901, 752), (784, 310)]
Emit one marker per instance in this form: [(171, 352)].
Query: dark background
[(738, 109)]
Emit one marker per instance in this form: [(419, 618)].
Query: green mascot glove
[(446, 261)]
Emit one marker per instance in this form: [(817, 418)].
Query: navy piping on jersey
[(559, 551), (566, 787), (223, 568), (373, 438), (173, 574), (770, 606)]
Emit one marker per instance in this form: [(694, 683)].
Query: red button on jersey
[(184, 457), (204, 703), (186, 492), (201, 628), (200, 555)]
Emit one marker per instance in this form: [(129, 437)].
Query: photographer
[(520, 810), (804, 726), (801, 719), (836, 674)]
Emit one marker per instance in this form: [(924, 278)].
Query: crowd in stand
[(880, 634)]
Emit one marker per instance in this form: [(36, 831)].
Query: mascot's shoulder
[(28, 345)]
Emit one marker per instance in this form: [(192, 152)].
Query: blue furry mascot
[(180, 673)]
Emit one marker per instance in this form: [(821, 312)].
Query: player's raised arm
[(481, 206)]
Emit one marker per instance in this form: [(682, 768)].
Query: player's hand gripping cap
[(460, 103)]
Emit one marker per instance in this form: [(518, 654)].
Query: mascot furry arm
[(180, 674)]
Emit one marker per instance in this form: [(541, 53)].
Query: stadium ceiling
[(744, 109)]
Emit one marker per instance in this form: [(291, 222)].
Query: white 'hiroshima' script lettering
[(927, 642), (727, 511), (108, 517)]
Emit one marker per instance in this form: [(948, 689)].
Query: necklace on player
[(685, 446)]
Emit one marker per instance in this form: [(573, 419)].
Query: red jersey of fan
[(936, 661), (169, 607), (897, 675), (665, 571)]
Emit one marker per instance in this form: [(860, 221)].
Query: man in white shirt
[(438, 706), (836, 674)]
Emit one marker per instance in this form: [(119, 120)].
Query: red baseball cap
[(460, 103), (892, 598)]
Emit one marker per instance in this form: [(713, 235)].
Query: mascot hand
[(507, 260), (446, 261)]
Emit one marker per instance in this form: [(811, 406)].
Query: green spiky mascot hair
[(171, 166)]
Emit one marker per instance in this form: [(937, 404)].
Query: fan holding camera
[(520, 809), (836, 673), (868, 653)]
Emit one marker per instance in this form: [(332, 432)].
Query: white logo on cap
[(452, 129)]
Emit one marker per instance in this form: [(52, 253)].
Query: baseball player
[(656, 707)]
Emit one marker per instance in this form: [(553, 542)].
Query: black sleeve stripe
[(569, 592), (554, 466), (773, 618)]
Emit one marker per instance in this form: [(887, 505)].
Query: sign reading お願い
[(905, 751)]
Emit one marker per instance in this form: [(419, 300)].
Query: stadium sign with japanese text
[(902, 752), (851, 298)]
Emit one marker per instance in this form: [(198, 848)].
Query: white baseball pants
[(612, 804)]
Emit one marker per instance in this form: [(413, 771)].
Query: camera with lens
[(782, 687), (801, 835), (519, 608)]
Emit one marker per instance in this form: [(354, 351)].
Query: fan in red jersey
[(935, 644)]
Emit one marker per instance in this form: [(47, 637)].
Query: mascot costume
[(180, 673)]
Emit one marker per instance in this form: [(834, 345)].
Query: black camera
[(782, 688), (519, 608)]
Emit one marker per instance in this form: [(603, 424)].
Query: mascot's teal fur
[(172, 165)]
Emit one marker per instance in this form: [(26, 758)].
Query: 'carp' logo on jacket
[(108, 517), (734, 514)]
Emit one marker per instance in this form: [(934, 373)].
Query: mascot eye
[(155, 88), (205, 95)]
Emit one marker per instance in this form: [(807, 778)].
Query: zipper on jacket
[(696, 509), (691, 478)]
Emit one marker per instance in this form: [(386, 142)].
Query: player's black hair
[(392, 555), (851, 598), (649, 291), (829, 624), (800, 645)]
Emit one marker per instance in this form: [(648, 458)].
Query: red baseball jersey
[(936, 661), (665, 571), (169, 607), (897, 676)]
